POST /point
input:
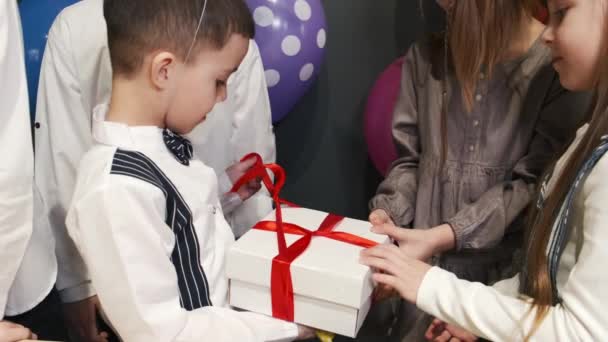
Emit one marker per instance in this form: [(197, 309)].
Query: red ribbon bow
[(281, 286)]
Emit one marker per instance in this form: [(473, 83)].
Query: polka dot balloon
[(291, 35)]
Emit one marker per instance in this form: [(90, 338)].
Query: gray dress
[(521, 119)]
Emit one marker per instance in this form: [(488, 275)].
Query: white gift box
[(332, 290)]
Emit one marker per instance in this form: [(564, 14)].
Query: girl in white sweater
[(560, 294)]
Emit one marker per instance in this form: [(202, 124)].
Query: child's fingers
[(254, 183), (9, 324), (380, 264), (429, 334), (435, 329), (253, 188), (382, 291), (246, 164), (396, 233), (386, 279), (390, 253), (444, 337), (19, 333), (438, 324), (378, 217)]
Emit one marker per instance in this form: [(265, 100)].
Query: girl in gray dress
[(480, 114)]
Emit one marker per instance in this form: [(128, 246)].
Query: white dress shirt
[(126, 218), (499, 313), (19, 245), (76, 76)]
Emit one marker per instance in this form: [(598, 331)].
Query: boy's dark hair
[(138, 27)]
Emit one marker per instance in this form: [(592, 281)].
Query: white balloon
[(273, 77), (306, 72), (321, 38), (263, 16), (303, 10), (291, 45)]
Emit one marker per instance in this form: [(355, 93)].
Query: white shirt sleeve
[(62, 139), (253, 133), (493, 315), (509, 287), (17, 167), (120, 229)]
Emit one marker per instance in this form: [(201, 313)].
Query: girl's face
[(574, 34)]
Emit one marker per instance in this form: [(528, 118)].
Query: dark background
[(321, 143)]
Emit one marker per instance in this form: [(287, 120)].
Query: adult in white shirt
[(76, 76), (561, 294), (22, 300)]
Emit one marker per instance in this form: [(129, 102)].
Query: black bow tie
[(179, 146)]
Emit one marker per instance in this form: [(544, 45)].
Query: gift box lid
[(328, 270)]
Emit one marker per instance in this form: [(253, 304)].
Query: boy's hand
[(81, 319), (237, 171), (12, 332), (379, 217)]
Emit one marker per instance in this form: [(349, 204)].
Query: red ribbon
[(281, 285)]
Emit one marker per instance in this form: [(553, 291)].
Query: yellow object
[(325, 336)]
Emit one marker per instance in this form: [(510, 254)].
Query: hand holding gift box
[(302, 265)]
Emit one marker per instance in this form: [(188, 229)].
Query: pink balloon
[(379, 115)]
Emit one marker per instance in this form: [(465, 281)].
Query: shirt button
[(478, 97), (475, 123), (471, 148)]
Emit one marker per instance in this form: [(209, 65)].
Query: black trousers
[(46, 321)]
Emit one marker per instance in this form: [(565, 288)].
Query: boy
[(76, 75), (146, 218)]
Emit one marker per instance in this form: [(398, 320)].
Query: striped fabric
[(559, 238), (193, 285)]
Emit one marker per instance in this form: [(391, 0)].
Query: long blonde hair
[(479, 34), (538, 285)]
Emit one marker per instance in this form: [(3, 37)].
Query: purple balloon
[(379, 116), (291, 35)]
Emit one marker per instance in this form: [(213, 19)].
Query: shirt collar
[(125, 136)]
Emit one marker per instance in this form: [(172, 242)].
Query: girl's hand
[(379, 217), (401, 272), (440, 331), (12, 332), (419, 244)]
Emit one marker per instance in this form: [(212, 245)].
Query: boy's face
[(202, 84)]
